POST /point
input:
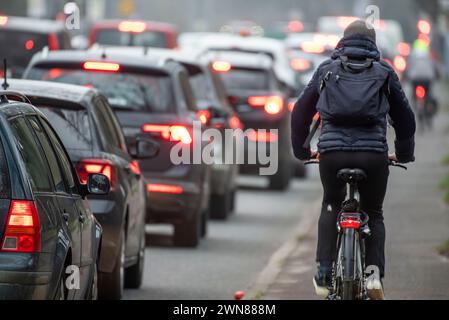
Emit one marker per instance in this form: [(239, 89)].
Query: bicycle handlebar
[(391, 163)]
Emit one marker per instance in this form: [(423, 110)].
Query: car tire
[(111, 284), (220, 206), (134, 273), (281, 179), (61, 291), (93, 290), (187, 234)]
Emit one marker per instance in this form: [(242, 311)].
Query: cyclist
[(353, 145)]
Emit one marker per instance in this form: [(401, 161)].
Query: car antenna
[(5, 83)]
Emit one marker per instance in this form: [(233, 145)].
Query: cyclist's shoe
[(375, 290), (322, 281)]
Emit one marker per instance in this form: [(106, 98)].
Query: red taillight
[(350, 223), (23, 229), (295, 26), (90, 166), (134, 167), (53, 43), (221, 66), (400, 63), (300, 64), (3, 20), (424, 26), (261, 136), (167, 132), (29, 45), (272, 104), (132, 26), (101, 66), (164, 188), (235, 123), (420, 92), (203, 116), (404, 49)]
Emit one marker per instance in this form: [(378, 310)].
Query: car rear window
[(113, 37), (201, 90), (244, 79), (4, 176), (21, 47), (125, 91), (72, 126)]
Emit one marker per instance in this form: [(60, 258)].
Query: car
[(47, 229), (94, 140), (152, 98), (23, 37), (133, 33), (256, 94)]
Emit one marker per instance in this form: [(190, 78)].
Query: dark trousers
[(372, 193)]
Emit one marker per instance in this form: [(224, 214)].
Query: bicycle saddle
[(351, 175)]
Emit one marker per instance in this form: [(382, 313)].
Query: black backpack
[(353, 93)]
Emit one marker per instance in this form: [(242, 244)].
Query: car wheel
[(111, 284), (134, 274), (281, 180), (220, 206), (187, 234), (93, 291), (61, 292)]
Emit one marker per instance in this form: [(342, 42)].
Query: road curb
[(277, 260)]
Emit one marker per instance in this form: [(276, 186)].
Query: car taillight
[(272, 104), (29, 45), (164, 188), (3, 20), (53, 43), (101, 66), (235, 123), (90, 166), (420, 92), (404, 49), (168, 132), (300, 64), (312, 47), (23, 229), (134, 167), (350, 223), (203, 116), (221, 66), (400, 63), (261, 136)]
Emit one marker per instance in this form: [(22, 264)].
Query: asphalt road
[(234, 253)]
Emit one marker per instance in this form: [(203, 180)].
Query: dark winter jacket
[(352, 138)]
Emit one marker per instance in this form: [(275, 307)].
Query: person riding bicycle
[(348, 141)]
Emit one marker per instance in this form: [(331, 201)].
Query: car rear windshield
[(72, 126), (113, 37), (18, 47), (245, 79), (201, 90), (4, 176), (124, 91)]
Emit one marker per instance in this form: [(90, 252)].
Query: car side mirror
[(98, 184), (145, 148)]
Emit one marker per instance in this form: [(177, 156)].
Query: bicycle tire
[(348, 290)]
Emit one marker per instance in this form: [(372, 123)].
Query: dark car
[(257, 96), (151, 98), (48, 232), (214, 111), (133, 33), (95, 142), (22, 37)]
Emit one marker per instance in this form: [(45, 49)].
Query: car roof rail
[(4, 94)]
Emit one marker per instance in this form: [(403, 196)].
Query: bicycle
[(349, 272)]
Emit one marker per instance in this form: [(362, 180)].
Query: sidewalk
[(416, 219)]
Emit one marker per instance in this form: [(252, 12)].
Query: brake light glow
[(23, 230), (291, 106), (424, 26), (3, 20), (221, 66), (300, 64), (203, 116), (312, 47), (420, 92), (235, 123), (262, 136), (295, 26), (400, 63), (134, 167), (350, 223), (272, 104), (404, 49), (167, 132), (132, 26), (164, 188), (101, 66), (91, 166)]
